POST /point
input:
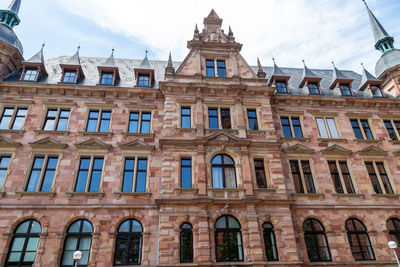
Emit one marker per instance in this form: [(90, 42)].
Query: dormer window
[(212, 72), (281, 87), (376, 91), (30, 75), (313, 89), (69, 77), (143, 80), (345, 90), (107, 78)]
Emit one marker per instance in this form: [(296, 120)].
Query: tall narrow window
[(139, 122), (228, 239), (4, 163), (225, 118), (24, 244), (69, 77), (133, 122), (271, 251), (281, 87), (393, 128), (135, 173), (327, 128), (143, 80), (56, 119), (128, 248), (145, 122), (252, 117), (359, 240), (221, 68), (89, 174), (79, 237), (210, 69), (217, 116), (345, 90), (42, 174), (30, 75), (316, 242), (361, 129), (291, 127), (341, 177), (13, 118), (223, 172), (260, 173), (107, 78), (379, 178), (99, 121), (186, 173), (186, 243), (213, 118), (313, 89), (393, 226), (186, 119), (302, 176)]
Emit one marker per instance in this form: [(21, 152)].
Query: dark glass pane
[(298, 185), (367, 130), (335, 177), (356, 129), (297, 127), (252, 117), (260, 173), (384, 178), (226, 118), (210, 71), (221, 68), (313, 89), (373, 177), (185, 117), (345, 90), (308, 176), (135, 250), (133, 122), (286, 127), (121, 250), (186, 173), (35, 174), (281, 87), (390, 130), (213, 118)]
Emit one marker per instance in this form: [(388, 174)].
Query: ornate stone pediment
[(8, 143), (298, 149), (93, 144), (49, 143), (372, 151), (336, 150), (137, 145)]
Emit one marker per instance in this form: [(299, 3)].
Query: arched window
[(128, 249), (186, 243), (359, 240), (270, 242), (228, 239), (316, 242), (24, 244), (393, 226), (79, 237), (223, 172)]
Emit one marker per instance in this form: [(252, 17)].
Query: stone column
[(255, 248), (200, 173), (241, 124), (203, 243), (246, 172), (199, 117)]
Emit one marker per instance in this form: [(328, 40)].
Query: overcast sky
[(289, 30)]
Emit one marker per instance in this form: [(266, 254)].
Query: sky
[(318, 31)]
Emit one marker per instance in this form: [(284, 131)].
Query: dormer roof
[(109, 66), (36, 61), (308, 75), (74, 63), (277, 73), (367, 78), (338, 76)]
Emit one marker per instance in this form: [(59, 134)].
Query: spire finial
[(362, 65), (79, 48), (170, 68), (365, 3), (147, 51), (112, 51), (273, 60), (230, 33), (333, 63), (170, 60), (14, 6), (43, 45), (304, 62), (260, 72)]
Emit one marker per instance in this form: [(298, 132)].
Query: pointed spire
[(9, 17), (383, 41), (368, 78), (260, 72), (213, 15), (38, 57), (196, 35), (14, 6), (110, 62), (338, 76), (145, 62), (308, 75), (75, 59), (170, 68), (213, 19), (169, 60), (277, 73), (230, 33)]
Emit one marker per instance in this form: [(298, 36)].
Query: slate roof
[(8, 35), (126, 69)]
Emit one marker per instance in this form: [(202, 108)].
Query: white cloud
[(318, 31)]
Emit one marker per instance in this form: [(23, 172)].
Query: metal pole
[(397, 259), (76, 262)]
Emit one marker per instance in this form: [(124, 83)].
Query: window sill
[(287, 139), (138, 134), (12, 131), (394, 142), (118, 195), (386, 196), (51, 132), (226, 189), (186, 190), (100, 195), (96, 133), (341, 140), (337, 196), (308, 195), (265, 190), (186, 130), (20, 194), (367, 141), (256, 132), (231, 131)]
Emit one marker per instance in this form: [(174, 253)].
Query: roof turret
[(338, 76), (9, 16)]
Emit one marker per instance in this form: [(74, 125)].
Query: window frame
[(274, 246), (92, 157), (136, 157), (396, 130), (228, 230), (106, 73), (139, 122), (315, 233), (394, 232), (263, 168), (43, 171), (25, 72), (181, 174), (140, 82), (361, 127), (99, 120), (56, 118), (303, 183), (187, 107), (341, 177), (292, 132), (257, 128), (14, 115), (182, 232), (215, 68), (76, 76), (363, 232), (318, 88), (7, 170), (327, 128), (348, 86), (219, 117), (223, 166), (378, 176), (130, 235), (378, 88), (281, 82)]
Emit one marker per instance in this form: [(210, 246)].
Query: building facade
[(205, 162)]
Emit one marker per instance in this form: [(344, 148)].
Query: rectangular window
[(56, 119), (143, 80), (341, 177), (376, 91), (379, 178), (186, 173), (186, 119), (291, 127), (98, 121), (135, 172), (13, 118), (361, 129), (221, 68), (313, 89), (302, 176), (139, 122), (107, 78), (345, 90), (393, 128), (89, 174), (219, 114), (252, 117), (4, 163), (281, 87), (30, 75), (213, 118), (327, 128), (260, 173), (225, 118), (69, 77), (42, 174), (210, 69)]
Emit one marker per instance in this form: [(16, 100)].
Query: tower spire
[(383, 41), (14, 6), (9, 16)]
